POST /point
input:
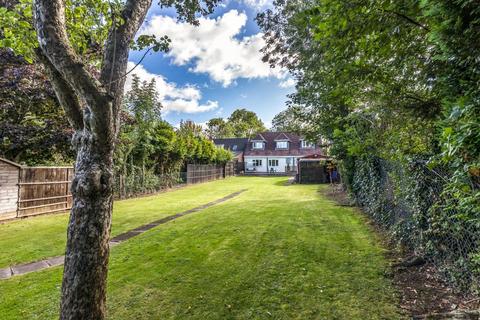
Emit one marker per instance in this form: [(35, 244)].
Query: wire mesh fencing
[(410, 201)]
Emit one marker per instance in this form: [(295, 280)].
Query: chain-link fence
[(410, 201)]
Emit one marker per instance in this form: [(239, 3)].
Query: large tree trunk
[(92, 106), (87, 251)]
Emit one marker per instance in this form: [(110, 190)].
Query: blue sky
[(215, 68)]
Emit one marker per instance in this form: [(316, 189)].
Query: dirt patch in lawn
[(422, 292), (425, 296), (337, 193)]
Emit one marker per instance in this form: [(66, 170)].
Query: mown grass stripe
[(11, 271)]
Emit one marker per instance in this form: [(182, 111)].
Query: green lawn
[(41, 237), (274, 252)]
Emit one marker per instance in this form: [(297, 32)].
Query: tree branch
[(119, 39), (134, 67), (117, 47), (64, 92), (407, 18), (49, 21)]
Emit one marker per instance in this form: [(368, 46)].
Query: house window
[(258, 145), (307, 144), (234, 148), (273, 163), (257, 162), (282, 144)]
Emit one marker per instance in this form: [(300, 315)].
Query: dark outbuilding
[(316, 168)]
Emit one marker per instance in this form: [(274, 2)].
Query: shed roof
[(11, 163)]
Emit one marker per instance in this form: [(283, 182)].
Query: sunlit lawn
[(274, 252), (40, 237)]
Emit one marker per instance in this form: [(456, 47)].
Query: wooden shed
[(313, 169), (26, 191), (9, 179)]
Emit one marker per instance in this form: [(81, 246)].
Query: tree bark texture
[(92, 107), (87, 251)]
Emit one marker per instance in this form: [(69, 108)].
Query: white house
[(276, 152)]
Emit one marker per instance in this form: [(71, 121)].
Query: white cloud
[(214, 48), (258, 4), (181, 99), (190, 106), (288, 83)]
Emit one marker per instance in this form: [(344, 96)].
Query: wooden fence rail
[(198, 173), (44, 190), (27, 191)]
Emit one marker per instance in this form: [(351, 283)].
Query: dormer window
[(307, 144), (282, 144), (257, 145)]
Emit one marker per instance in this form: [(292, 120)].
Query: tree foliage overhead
[(88, 25), (390, 81), (218, 128), (385, 64), (245, 124)]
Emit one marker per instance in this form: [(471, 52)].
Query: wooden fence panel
[(198, 173), (230, 169), (44, 190)]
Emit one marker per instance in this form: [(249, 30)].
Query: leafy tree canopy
[(33, 128), (289, 120), (391, 82), (241, 124)]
